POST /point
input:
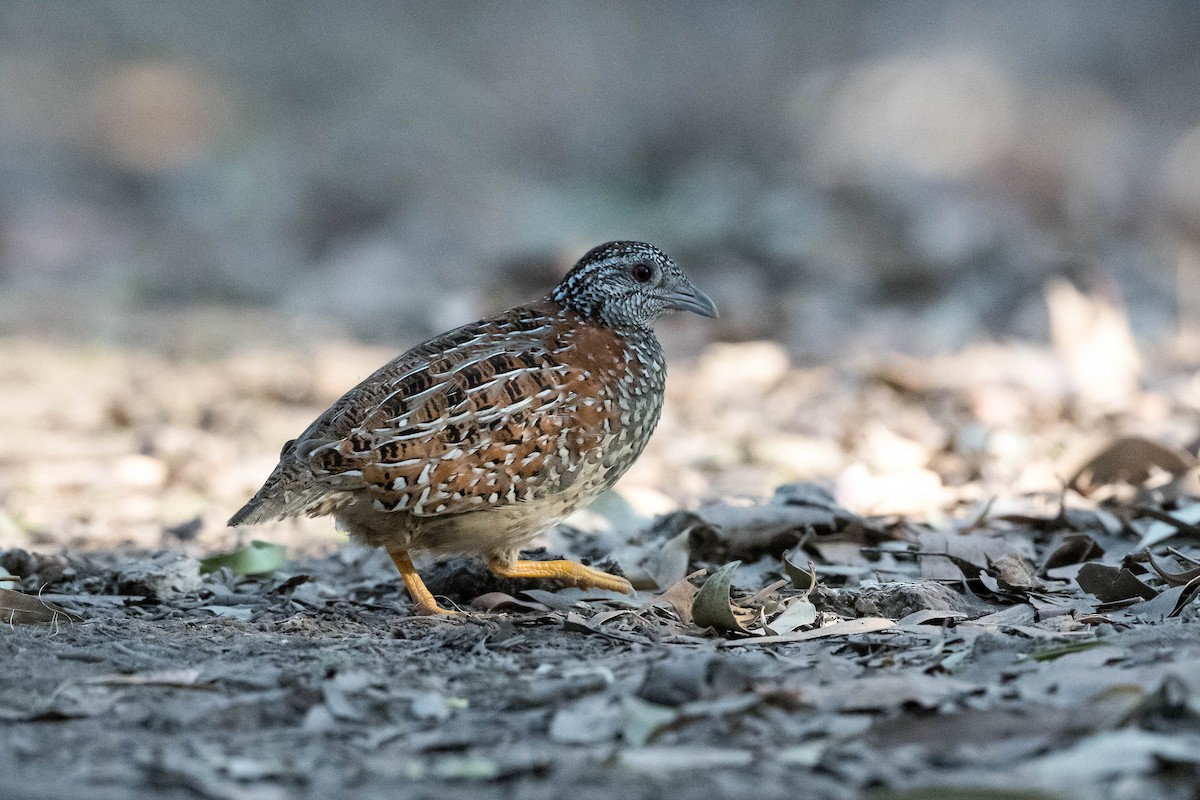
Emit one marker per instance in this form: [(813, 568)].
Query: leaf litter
[(1037, 622)]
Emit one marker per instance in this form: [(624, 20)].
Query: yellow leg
[(567, 571), (420, 595)]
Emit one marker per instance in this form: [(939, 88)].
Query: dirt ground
[(1005, 560)]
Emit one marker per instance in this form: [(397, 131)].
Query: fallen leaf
[(233, 612), (499, 601), (176, 678), (554, 600), (1173, 578), (590, 720), (802, 579), (848, 627), (1111, 584), (1165, 605), (953, 557), (930, 615), (681, 597), (1109, 753), (1183, 520), (17, 608), (658, 759), (1074, 548), (643, 720), (471, 767), (713, 607), (799, 613), (1132, 460), (667, 564), (256, 558), (887, 692), (1053, 653)]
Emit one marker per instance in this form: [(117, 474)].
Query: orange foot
[(566, 571), (421, 596)]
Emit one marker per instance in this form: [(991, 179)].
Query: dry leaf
[(499, 601), (713, 607), (1167, 525), (798, 614), (1111, 584), (1174, 578), (176, 678), (802, 579), (681, 597), (17, 608), (1132, 460), (848, 627), (642, 720)]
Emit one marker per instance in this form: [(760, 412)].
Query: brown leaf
[(681, 596), (17, 608), (1132, 460)]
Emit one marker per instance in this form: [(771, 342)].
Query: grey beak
[(691, 299)]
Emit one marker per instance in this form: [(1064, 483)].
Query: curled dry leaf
[(713, 607), (802, 579), (1183, 520), (1132, 460), (1173, 578)]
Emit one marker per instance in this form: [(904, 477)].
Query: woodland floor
[(1004, 543)]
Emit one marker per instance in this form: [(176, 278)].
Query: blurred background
[(952, 242), (890, 173)]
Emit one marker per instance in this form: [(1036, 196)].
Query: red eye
[(642, 273)]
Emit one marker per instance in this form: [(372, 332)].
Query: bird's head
[(629, 285)]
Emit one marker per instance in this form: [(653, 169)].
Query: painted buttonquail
[(480, 439)]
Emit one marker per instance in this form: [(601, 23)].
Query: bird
[(482, 438)]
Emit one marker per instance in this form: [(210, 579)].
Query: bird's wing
[(480, 417)]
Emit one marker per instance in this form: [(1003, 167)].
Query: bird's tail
[(282, 496), (254, 512)]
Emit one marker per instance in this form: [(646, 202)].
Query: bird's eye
[(642, 273)]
